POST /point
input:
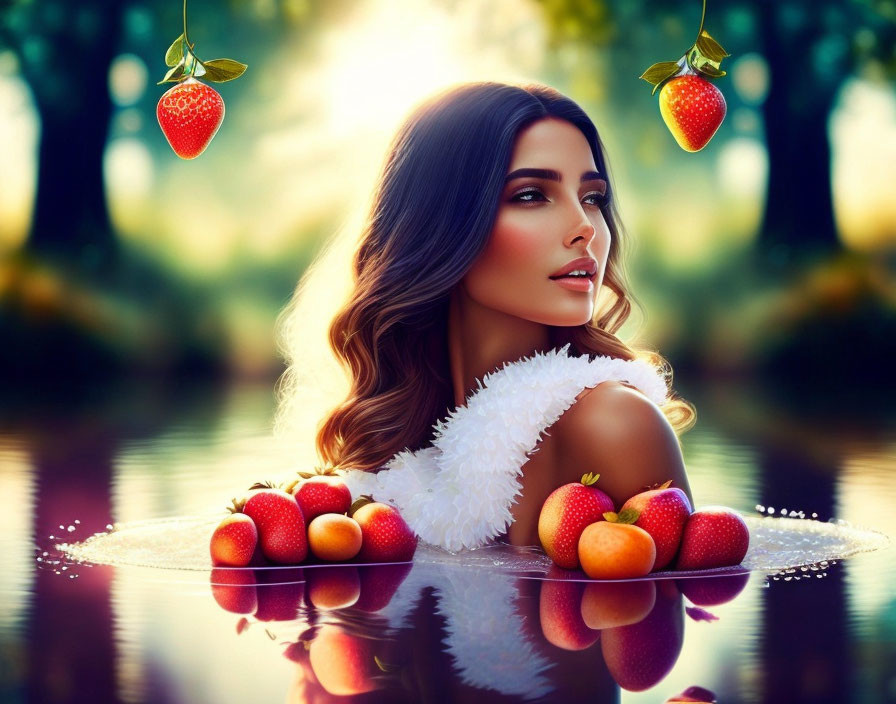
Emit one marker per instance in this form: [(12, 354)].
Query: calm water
[(435, 634)]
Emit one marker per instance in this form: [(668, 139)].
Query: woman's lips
[(576, 283)]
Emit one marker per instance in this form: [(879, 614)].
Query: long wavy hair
[(432, 213)]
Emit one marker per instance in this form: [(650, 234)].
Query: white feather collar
[(457, 494)]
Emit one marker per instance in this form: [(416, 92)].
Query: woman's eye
[(530, 196), (598, 199), (533, 196)]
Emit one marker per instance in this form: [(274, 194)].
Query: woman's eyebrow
[(549, 174)]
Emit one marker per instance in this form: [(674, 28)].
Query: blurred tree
[(810, 49), (64, 51)]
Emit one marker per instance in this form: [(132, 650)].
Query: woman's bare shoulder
[(616, 431)]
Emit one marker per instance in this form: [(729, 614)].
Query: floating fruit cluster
[(654, 529), (314, 514)]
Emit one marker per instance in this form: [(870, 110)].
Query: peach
[(333, 587), (342, 662), (334, 537), (609, 550), (612, 604)]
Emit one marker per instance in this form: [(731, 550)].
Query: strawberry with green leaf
[(191, 112), (691, 106)]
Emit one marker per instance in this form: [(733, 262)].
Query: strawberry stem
[(699, 31), (187, 36)]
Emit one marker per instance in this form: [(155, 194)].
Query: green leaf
[(220, 70), (175, 52), (712, 71), (628, 515), (174, 75), (590, 478), (710, 48), (611, 516), (362, 500), (658, 73)]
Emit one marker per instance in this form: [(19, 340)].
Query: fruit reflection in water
[(560, 609), (343, 663), (612, 604), (333, 587)]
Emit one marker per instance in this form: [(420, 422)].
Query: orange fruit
[(609, 550), (342, 662), (613, 604), (334, 537), (333, 587)]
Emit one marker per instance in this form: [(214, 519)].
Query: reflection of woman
[(493, 239)]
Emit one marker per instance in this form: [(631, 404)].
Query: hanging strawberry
[(191, 112), (691, 106)]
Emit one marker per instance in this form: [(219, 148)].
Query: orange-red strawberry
[(565, 514), (713, 537), (385, 536), (281, 526), (662, 512), (322, 494), (234, 541), (692, 108), (234, 590), (190, 114)]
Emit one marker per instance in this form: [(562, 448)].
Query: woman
[(493, 240)]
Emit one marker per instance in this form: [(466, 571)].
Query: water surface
[(427, 633)]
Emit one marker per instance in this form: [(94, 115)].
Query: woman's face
[(550, 215)]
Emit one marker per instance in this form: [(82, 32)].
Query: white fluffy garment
[(457, 494)]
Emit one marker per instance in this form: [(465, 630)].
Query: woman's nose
[(583, 229)]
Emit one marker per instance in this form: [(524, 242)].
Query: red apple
[(662, 512), (566, 512)]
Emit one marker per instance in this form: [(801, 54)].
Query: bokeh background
[(769, 252), (139, 292)]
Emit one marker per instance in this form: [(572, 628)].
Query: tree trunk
[(799, 216), (71, 220)]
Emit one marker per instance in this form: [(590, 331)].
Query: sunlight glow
[(127, 79), (340, 101), (863, 136), (17, 485), (19, 132), (129, 173)]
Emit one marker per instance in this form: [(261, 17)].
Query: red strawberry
[(713, 537), (234, 541), (379, 584), (712, 591), (234, 590), (692, 108), (322, 494), (662, 513), (565, 514), (190, 114), (281, 526), (560, 608), (693, 694), (385, 536), (280, 595)]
